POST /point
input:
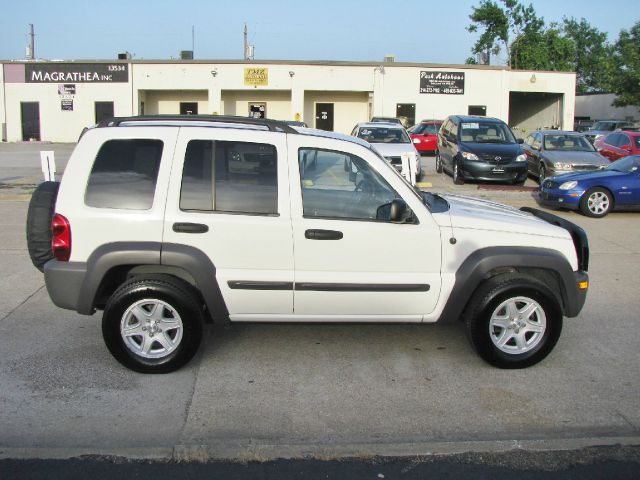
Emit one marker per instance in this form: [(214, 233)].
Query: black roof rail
[(272, 125)]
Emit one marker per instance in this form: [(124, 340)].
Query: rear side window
[(232, 177), (124, 174)]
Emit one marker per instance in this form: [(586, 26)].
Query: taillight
[(61, 238)]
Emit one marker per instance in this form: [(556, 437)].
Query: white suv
[(168, 222)]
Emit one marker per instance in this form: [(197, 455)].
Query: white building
[(54, 101)]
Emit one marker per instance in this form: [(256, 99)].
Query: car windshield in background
[(571, 143), (384, 135), (627, 165), (475, 132), (610, 126), (425, 128)]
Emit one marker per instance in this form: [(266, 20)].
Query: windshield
[(384, 135), (425, 128), (476, 132), (610, 126), (567, 143), (627, 165)]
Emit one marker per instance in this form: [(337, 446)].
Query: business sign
[(448, 83), (66, 105), (76, 73), (67, 89), (256, 77)]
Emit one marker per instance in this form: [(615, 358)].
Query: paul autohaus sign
[(76, 73)]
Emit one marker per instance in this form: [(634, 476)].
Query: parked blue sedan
[(617, 187)]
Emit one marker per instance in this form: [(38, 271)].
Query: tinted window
[(340, 185), (623, 140), (233, 177), (636, 140), (124, 174), (612, 139)]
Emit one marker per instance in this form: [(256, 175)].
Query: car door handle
[(190, 228), (323, 235)]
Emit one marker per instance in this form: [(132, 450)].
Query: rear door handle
[(323, 235), (190, 228)]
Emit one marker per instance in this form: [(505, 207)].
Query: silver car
[(391, 141), (554, 152)]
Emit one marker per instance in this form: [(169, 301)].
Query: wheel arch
[(548, 266), (112, 264)]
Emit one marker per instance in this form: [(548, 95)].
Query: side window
[(124, 174), (537, 141), (232, 177), (623, 140), (611, 139), (340, 185), (529, 140), (453, 137)]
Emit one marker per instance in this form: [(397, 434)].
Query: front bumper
[(514, 171), (556, 198)]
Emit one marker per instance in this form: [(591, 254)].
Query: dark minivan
[(480, 148)]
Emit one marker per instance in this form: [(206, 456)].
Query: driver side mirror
[(396, 211), (520, 140)]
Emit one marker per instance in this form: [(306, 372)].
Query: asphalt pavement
[(263, 392)]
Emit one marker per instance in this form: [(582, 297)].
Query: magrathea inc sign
[(76, 73)]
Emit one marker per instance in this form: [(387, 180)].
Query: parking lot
[(262, 391)]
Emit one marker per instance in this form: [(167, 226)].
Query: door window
[(232, 177), (339, 185)]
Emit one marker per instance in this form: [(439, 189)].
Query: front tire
[(513, 321), (438, 163), (596, 202), (457, 176), (542, 174), (153, 324)]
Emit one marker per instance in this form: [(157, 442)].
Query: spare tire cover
[(41, 210)]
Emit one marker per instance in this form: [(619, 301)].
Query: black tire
[(457, 178), (438, 163), (514, 289), (41, 210), (596, 202), (184, 306), (542, 173)]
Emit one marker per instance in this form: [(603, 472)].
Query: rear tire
[(542, 174), (153, 324), (41, 210), (513, 321)]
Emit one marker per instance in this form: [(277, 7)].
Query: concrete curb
[(251, 451)]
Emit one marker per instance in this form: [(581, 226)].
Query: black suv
[(480, 148)]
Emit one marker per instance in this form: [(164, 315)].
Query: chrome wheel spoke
[(517, 325), (151, 328)]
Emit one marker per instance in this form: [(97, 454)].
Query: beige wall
[(236, 102), (349, 108), (358, 91), (168, 102), (57, 125)]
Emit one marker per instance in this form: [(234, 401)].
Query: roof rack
[(272, 125)]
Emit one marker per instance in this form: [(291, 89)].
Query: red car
[(618, 144), (425, 135)]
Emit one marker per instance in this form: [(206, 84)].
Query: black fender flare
[(478, 266)]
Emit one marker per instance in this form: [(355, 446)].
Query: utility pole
[(31, 49), (245, 53)]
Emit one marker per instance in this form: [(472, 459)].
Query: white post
[(48, 162)]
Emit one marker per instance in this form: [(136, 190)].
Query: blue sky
[(414, 31)]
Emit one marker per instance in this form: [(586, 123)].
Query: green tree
[(592, 55), (544, 49), (498, 24), (625, 80)]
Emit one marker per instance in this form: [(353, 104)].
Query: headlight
[(417, 140), (597, 137), (568, 185), (521, 158), (469, 156), (562, 166)]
